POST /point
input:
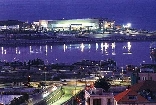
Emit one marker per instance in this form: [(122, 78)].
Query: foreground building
[(97, 96), (143, 93)]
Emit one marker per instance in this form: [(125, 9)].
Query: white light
[(2, 49), (30, 49), (64, 48), (82, 47), (46, 49), (106, 46), (89, 46), (45, 94), (40, 48), (128, 25), (54, 88), (102, 48), (113, 45), (129, 45), (97, 46)]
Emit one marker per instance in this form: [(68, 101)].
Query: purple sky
[(142, 13)]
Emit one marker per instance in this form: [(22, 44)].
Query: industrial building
[(87, 24)]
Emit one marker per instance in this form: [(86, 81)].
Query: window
[(96, 101), (143, 78)]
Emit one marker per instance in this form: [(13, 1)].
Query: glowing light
[(106, 45), (128, 25), (30, 50), (40, 48), (45, 94), (16, 50), (129, 45), (46, 49), (64, 47), (89, 46), (51, 47), (82, 47), (113, 53), (102, 48), (113, 45), (2, 49), (54, 88), (97, 46)]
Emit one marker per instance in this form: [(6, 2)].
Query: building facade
[(98, 97)]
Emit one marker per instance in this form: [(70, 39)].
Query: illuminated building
[(87, 24), (14, 25), (109, 24)]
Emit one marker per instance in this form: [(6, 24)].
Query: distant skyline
[(141, 13)]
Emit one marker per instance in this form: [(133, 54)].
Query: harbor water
[(123, 53)]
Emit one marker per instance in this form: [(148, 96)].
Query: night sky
[(141, 13)]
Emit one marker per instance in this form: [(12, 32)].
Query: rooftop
[(142, 92), (97, 91)]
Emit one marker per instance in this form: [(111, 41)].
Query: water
[(123, 52)]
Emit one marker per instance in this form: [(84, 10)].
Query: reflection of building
[(127, 48), (75, 24)]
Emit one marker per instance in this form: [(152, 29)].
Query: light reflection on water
[(124, 53)]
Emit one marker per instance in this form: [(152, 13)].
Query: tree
[(102, 83)]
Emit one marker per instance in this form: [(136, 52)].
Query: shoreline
[(74, 40)]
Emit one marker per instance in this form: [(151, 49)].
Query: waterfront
[(124, 53)]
